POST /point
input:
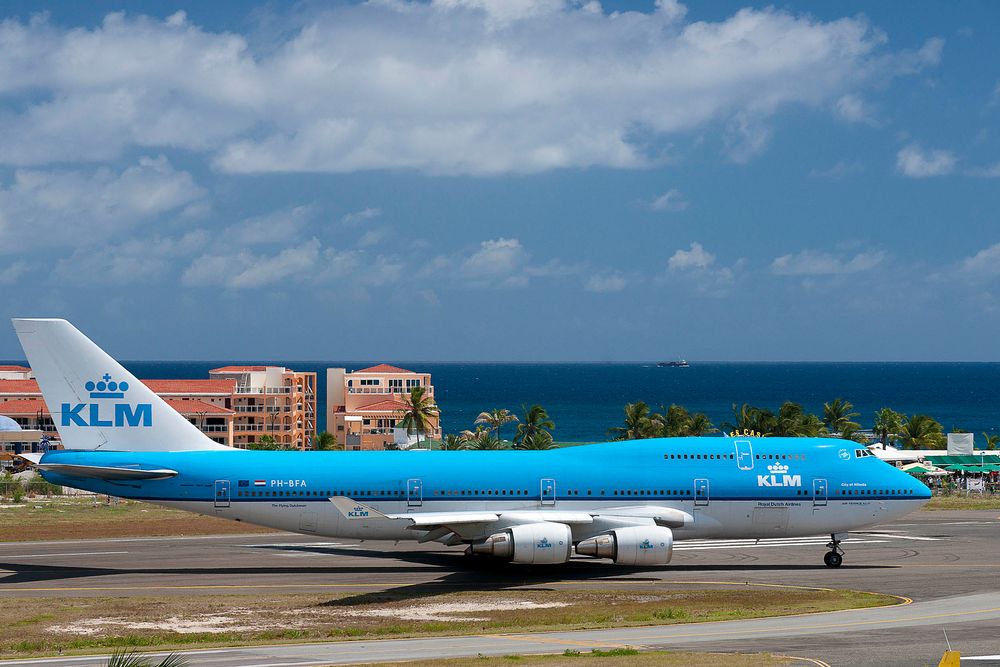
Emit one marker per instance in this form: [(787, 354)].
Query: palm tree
[(496, 418), (700, 424), (538, 440), (793, 421), (887, 424), (325, 441), (748, 418), (133, 659), (675, 421), (266, 442), (637, 423), (536, 420), (991, 440), (487, 441), (454, 442), (838, 416), (419, 413), (922, 432)]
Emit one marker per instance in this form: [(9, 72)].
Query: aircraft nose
[(917, 489)]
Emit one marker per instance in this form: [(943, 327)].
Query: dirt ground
[(33, 626), (94, 517)]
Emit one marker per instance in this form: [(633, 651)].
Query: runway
[(947, 562)]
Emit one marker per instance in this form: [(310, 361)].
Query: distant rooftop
[(238, 369), (15, 369), (383, 368), (213, 386)]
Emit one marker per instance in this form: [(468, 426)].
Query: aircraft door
[(700, 492), (414, 493), (744, 454), (819, 493), (221, 493), (548, 491)]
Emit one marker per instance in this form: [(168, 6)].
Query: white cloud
[(853, 109), (10, 273), (244, 269), (695, 258), (273, 227), (745, 138), (814, 263), (357, 217), (671, 200), (374, 236), (603, 283), (991, 171), (73, 207), (839, 170), (497, 259), (915, 162), (129, 262), (452, 86), (986, 262)]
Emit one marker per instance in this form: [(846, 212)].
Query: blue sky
[(520, 180)]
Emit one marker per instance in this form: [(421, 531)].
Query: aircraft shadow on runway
[(461, 572)]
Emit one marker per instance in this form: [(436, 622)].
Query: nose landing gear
[(835, 556)]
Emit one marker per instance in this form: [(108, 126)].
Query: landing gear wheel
[(833, 559)]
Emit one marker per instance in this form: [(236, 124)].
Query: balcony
[(263, 390), (248, 408), (398, 391), (213, 428)]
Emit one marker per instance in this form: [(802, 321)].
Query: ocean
[(585, 399)]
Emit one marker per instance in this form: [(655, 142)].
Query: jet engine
[(531, 544), (636, 545)]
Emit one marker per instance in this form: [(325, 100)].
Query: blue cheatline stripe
[(369, 499)]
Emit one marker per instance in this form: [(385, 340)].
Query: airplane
[(624, 501)]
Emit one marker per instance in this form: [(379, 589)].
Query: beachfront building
[(274, 401), (15, 373), (232, 407), (365, 407)]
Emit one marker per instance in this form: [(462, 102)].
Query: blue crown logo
[(106, 388)]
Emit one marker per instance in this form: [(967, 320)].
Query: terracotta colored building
[(271, 400), (364, 408), (234, 407)]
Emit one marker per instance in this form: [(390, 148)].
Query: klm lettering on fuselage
[(779, 477), (104, 413)]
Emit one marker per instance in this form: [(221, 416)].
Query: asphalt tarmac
[(947, 563)]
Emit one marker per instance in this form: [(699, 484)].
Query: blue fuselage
[(760, 487)]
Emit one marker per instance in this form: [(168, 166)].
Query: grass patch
[(71, 518), (615, 658), (971, 502), (33, 626)]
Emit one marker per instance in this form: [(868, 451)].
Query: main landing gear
[(835, 556)]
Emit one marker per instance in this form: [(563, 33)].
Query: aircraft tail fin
[(96, 403)]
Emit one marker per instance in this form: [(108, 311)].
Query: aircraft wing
[(469, 524)]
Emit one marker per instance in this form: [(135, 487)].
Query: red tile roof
[(382, 406), (383, 368), (19, 387), (21, 407), (185, 406), (192, 407), (213, 386), (19, 369), (237, 369)]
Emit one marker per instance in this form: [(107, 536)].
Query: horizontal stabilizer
[(107, 472)]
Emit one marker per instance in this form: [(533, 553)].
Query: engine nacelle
[(636, 545), (531, 544)]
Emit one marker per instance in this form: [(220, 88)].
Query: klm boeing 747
[(624, 501)]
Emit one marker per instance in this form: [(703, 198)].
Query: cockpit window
[(861, 453)]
